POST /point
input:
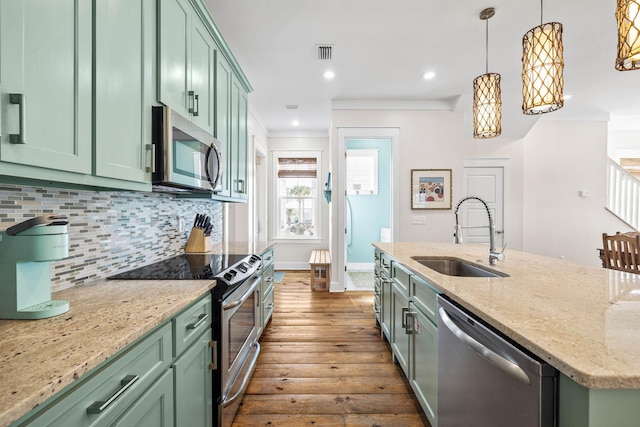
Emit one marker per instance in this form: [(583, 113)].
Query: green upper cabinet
[(238, 172), (124, 35), (45, 84), (231, 129), (187, 54), (224, 74)]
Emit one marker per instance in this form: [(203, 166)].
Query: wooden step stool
[(320, 269)]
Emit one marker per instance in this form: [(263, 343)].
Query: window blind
[(297, 167)]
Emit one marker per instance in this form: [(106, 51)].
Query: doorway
[(368, 202), (487, 179)]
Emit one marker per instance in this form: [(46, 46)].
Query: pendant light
[(628, 17), (487, 98), (542, 68)]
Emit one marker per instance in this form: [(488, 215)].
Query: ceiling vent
[(325, 52)]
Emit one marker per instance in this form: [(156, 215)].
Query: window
[(362, 171), (297, 195)]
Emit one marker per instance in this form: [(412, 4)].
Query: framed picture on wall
[(430, 188)]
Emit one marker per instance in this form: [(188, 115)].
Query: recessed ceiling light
[(295, 123), (329, 74), (428, 75)]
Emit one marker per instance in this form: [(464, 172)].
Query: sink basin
[(457, 267)]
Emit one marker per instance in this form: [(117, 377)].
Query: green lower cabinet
[(399, 336), (104, 396), (154, 408), (423, 361), (385, 303), (583, 407), (193, 388)]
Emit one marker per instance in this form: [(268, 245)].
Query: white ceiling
[(381, 48)]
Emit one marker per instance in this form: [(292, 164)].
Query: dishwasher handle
[(500, 362)]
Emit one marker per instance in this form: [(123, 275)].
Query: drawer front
[(385, 263), (267, 258), (400, 275), (191, 323), (113, 388), (268, 303), (425, 297), (267, 280)]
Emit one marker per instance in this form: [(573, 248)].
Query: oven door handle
[(243, 298), (245, 380)]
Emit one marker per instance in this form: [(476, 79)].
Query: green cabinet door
[(238, 140), (223, 117), (202, 75), (399, 336), (174, 62), (186, 61), (386, 307), (423, 362), (193, 388), (154, 408), (45, 83), (125, 35)]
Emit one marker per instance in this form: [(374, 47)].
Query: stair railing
[(623, 194)]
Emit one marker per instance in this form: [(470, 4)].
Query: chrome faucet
[(457, 236)]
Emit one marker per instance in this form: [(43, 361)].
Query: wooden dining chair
[(621, 252)]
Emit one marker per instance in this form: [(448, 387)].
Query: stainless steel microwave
[(185, 157)]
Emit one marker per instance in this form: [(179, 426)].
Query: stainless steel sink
[(457, 267)]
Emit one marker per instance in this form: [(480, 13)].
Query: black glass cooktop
[(183, 267)]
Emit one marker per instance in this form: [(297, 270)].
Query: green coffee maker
[(26, 250)]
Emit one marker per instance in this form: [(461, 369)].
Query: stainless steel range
[(235, 318)]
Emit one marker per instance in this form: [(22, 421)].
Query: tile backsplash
[(109, 231)]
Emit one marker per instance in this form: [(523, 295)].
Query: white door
[(488, 184)]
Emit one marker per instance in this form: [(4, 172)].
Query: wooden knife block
[(198, 242)]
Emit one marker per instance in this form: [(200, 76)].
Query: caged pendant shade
[(487, 106), (628, 18), (487, 97), (542, 69)]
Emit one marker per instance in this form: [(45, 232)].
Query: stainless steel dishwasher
[(483, 380)]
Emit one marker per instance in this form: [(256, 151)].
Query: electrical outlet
[(419, 220)]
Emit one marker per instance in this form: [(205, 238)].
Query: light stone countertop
[(583, 320), (38, 358)]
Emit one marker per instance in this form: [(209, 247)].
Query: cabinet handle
[(126, 383), (269, 306), (240, 186), (409, 330), (152, 167), (192, 104), (404, 317), (214, 356), (270, 279), (21, 100), (196, 105), (201, 319)]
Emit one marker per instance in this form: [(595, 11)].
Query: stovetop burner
[(183, 267)]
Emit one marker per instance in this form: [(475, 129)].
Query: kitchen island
[(582, 320)]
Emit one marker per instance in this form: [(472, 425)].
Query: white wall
[(562, 158), (295, 254)]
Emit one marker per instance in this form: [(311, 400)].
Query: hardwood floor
[(323, 363)]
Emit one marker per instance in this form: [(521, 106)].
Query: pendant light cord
[(487, 46), (541, 9)]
